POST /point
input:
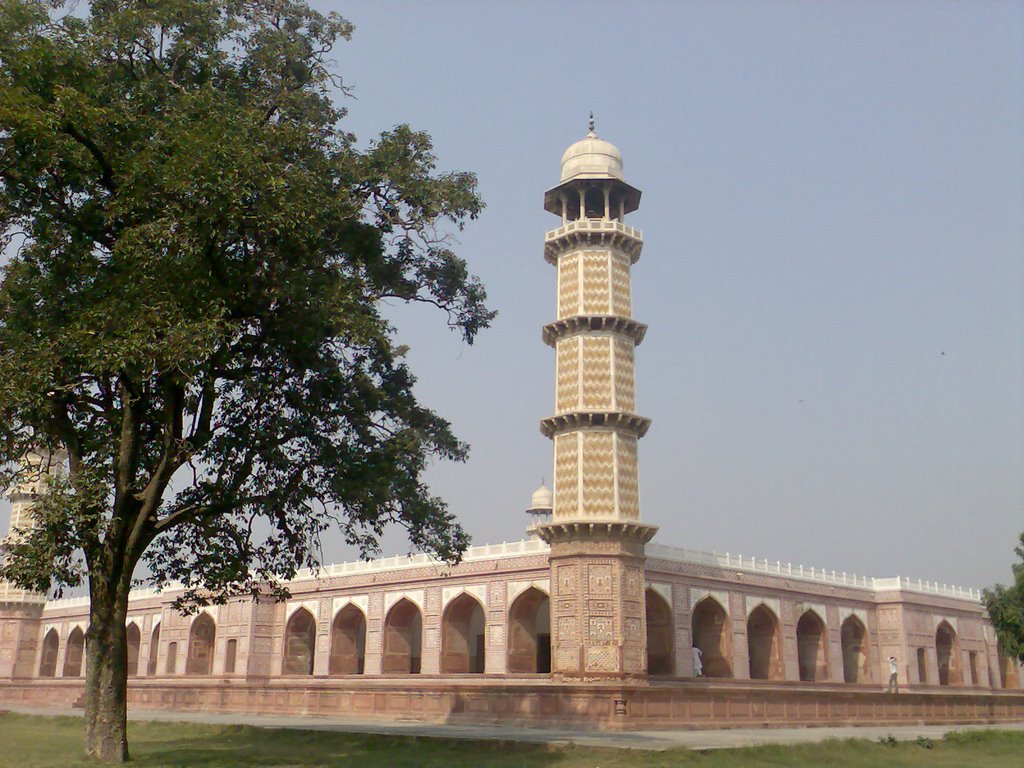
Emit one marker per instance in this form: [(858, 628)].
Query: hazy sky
[(833, 211), (832, 274)]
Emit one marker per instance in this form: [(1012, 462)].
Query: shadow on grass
[(175, 744)]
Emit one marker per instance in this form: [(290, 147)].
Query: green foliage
[(193, 310), (1005, 607)]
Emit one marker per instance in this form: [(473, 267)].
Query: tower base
[(598, 622)]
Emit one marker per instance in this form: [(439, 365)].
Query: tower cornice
[(597, 530), (620, 421), (578, 324)]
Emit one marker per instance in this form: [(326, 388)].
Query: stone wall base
[(670, 705)]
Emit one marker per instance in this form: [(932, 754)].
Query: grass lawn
[(52, 742)]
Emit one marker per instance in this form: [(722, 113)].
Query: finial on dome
[(590, 125)]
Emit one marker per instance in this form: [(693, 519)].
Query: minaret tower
[(20, 608), (598, 626)]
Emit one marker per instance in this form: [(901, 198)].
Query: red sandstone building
[(586, 621)]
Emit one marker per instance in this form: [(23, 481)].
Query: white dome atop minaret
[(542, 498), (539, 512), (591, 158), (592, 185)]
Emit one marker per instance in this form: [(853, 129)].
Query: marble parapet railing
[(819, 575), (402, 562), (528, 547), (12, 594), (593, 225)]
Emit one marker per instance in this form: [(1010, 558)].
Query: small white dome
[(542, 498), (591, 158)]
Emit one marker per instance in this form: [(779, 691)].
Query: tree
[(1006, 609), (192, 314)]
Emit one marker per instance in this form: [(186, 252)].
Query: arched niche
[(133, 638), (154, 646), (947, 654), (661, 651), (74, 653), (48, 661), (763, 644), (348, 642), (462, 636), (812, 647), (403, 638), (201, 638), (529, 633), (230, 656), (854, 640), (299, 643), (712, 635)]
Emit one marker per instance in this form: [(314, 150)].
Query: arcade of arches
[(463, 649)]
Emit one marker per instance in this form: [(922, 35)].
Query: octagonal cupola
[(592, 185)]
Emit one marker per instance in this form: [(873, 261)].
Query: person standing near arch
[(894, 685), (698, 662)]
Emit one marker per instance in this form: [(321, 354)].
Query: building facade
[(574, 622)]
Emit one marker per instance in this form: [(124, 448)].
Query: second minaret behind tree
[(598, 623)]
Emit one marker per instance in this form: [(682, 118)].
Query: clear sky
[(833, 210)]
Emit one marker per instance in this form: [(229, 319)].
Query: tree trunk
[(106, 676)]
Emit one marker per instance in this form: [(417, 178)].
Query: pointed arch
[(348, 642), (299, 643), (812, 647), (764, 646), (133, 638), (947, 654), (202, 637), (154, 648), (73, 653), (661, 651), (529, 633), (48, 661), (712, 635), (403, 638), (462, 636), (856, 661)]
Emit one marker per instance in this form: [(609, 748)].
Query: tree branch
[(107, 170)]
